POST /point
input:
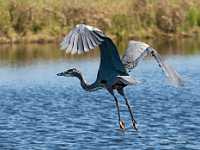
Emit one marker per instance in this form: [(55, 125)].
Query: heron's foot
[(122, 124), (134, 125)]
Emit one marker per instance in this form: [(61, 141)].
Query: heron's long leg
[(121, 92), (121, 122), (117, 105)]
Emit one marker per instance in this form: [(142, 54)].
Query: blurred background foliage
[(48, 20)]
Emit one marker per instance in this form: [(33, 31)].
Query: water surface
[(39, 110)]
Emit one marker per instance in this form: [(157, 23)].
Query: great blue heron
[(113, 71)]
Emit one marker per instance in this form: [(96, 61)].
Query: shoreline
[(45, 39)]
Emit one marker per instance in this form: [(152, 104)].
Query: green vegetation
[(48, 20)]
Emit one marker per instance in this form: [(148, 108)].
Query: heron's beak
[(60, 74)]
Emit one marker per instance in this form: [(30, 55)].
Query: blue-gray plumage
[(110, 63), (112, 74)]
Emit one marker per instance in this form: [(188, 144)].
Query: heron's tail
[(171, 74)]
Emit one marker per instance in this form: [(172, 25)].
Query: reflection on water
[(39, 110), (27, 54)]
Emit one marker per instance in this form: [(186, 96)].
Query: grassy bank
[(48, 20)]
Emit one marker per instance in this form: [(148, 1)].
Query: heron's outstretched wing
[(82, 39), (138, 50)]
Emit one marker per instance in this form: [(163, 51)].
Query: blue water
[(39, 110)]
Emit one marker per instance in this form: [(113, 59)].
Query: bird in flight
[(113, 71)]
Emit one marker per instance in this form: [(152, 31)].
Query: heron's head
[(69, 73)]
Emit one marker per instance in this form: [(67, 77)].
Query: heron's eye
[(74, 70)]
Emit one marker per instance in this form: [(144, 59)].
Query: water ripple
[(55, 113)]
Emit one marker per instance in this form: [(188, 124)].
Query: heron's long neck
[(85, 85)]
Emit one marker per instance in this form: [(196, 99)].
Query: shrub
[(193, 16), (168, 17), (20, 15)]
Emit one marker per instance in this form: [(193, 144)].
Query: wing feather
[(91, 46), (75, 45), (82, 38), (85, 44), (66, 41), (71, 43), (92, 40), (80, 44), (137, 50), (171, 74), (97, 37)]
